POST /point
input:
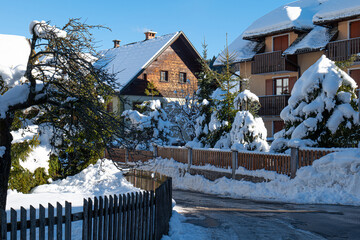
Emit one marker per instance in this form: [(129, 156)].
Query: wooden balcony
[(272, 105), (273, 62), (342, 50)]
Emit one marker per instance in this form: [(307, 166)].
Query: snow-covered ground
[(100, 179), (333, 179)]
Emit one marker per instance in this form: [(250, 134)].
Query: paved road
[(227, 218)]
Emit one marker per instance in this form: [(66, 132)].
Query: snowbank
[(334, 10), (333, 179), (100, 179)]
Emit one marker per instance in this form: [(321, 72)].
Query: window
[(145, 77), (109, 107), (354, 29), (164, 76), (182, 77), (281, 43), (281, 86)]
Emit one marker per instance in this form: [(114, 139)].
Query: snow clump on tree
[(322, 110), (150, 127)]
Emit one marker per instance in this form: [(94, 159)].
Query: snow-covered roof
[(315, 40), (14, 54), (242, 50), (293, 16), (128, 60), (337, 9)]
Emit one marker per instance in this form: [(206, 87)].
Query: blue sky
[(199, 19)]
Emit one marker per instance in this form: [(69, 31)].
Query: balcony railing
[(342, 50), (273, 62), (272, 105)]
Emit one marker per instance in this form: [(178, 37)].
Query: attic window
[(182, 77), (164, 76)]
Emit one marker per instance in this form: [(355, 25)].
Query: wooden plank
[(3, 226), (96, 219), (67, 221), (115, 217), (42, 222), (141, 215), (85, 231), (120, 216), (132, 222), (136, 216), (110, 225), (90, 216), (32, 223), (106, 217), (51, 222), (151, 222), (101, 219), (128, 216), (23, 220), (13, 221), (146, 216), (59, 221)]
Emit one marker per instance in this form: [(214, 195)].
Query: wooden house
[(170, 62), (277, 48)]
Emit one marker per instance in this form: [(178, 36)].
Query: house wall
[(169, 61), (307, 59)]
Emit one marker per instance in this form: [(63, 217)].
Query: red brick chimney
[(150, 35), (116, 43)]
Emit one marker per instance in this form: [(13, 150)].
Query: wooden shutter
[(355, 29), (280, 43), (269, 88), (292, 81), (355, 74)]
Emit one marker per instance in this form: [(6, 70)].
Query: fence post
[(155, 150), (234, 163), (294, 162), (126, 156), (190, 158)]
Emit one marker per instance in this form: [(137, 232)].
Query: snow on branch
[(45, 31)]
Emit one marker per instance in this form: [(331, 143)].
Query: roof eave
[(322, 22), (256, 37)]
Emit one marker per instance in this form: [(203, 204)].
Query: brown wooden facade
[(179, 66)]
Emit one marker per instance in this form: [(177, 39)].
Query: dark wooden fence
[(272, 105), (342, 50), (139, 215), (281, 163)]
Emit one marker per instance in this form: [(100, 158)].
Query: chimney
[(116, 43), (150, 35)]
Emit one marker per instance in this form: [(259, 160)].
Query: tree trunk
[(5, 159)]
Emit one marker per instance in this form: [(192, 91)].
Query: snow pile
[(333, 179), (321, 101), (14, 54), (335, 9), (245, 96), (100, 179), (248, 133), (46, 31), (16, 95), (317, 39), (295, 15)]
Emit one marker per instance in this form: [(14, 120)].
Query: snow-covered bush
[(322, 110), (151, 126), (248, 133)]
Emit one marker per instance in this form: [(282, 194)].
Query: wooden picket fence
[(139, 215), (281, 163)]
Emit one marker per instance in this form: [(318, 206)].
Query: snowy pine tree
[(322, 110)]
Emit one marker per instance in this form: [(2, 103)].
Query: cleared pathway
[(227, 218)]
